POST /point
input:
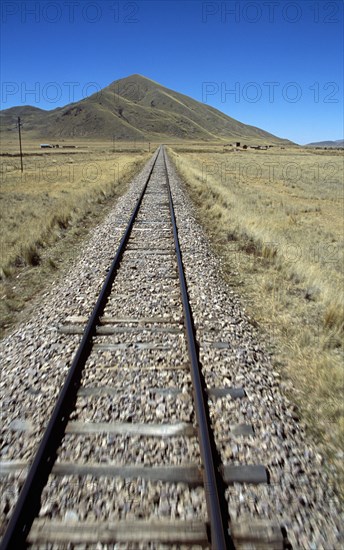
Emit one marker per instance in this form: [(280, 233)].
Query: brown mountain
[(133, 108)]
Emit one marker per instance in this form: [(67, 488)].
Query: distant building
[(49, 146)]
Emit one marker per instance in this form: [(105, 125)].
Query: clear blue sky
[(275, 64)]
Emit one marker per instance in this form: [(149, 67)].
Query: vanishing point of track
[(156, 221)]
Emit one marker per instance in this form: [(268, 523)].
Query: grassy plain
[(276, 218), (48, 209)]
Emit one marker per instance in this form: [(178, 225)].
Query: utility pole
[(20, 144)]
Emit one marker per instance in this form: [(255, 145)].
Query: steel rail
[(28, 504), (213, 483)]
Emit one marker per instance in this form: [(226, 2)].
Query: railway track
[(156, 476)]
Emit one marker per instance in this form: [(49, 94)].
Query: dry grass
[(276, 217), (58, 195)]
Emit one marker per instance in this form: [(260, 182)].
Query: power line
[(20, 145)]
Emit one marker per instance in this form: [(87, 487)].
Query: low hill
[(337, 143), (133, 108)]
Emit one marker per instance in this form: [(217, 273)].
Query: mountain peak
[(135, 79), (137, 76)]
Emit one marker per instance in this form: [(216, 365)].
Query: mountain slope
[(133, 108)]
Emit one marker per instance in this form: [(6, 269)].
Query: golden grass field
[(276, 219), (48, 209)]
